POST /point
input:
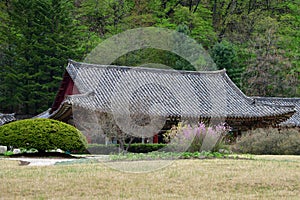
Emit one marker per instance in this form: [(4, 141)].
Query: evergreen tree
[(225, 57), (43, 35)]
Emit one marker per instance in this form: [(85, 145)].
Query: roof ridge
[(7, 114), (237, 89), (275, 105), (82, 64), (86, 94), (278, 98)]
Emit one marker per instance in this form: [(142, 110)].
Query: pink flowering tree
[(197, 138)]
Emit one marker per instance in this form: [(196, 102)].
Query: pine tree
[(43, 35), (225, 56)]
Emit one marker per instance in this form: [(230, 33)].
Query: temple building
[(141, 96)]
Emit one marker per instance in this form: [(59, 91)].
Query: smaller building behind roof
[(293, 121), (44, 115), (6, 118)]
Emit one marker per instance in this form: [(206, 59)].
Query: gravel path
[(53, 161), (39, 161)]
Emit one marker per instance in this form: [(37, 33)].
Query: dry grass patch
[(184, 179)]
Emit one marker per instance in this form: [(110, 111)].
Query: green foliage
[(145, 148), (182, 28), (269, 31), (42, 134), (8, 153), (199, 24), (154, 58), (289, 34), (99, 149), (42, 36), (113, 148), (269, 70), (202, 155), (225, 56), (170, 156), (104, 17), (270, 141), (145, 156)]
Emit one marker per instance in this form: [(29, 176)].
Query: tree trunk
[(197, 6)]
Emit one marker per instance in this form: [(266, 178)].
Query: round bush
[(42, 134)]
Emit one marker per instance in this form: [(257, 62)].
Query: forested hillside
[(257, 41)]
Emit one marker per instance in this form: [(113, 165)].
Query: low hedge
[(113, 148), (269, 141), (42, 134), (145, 148), (100, 149)]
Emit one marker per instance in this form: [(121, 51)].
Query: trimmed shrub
[(269, 141), (42, 134)]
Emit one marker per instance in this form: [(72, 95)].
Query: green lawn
[(265, 177)]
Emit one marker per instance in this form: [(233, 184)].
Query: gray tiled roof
[(6, 118), (159, 92), (294, 121), (44, 114)]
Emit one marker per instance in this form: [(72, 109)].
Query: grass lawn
[(265, 177)]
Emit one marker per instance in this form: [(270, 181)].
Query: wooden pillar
[(155, 139)]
